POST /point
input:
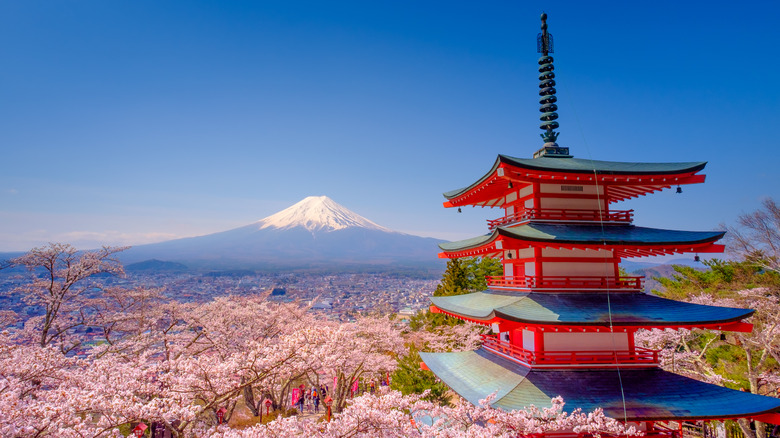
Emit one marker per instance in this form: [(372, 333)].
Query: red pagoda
[(564, 317)]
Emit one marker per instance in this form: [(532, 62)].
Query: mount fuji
[(314, 234)]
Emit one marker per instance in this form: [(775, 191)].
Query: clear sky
[(128, 122)]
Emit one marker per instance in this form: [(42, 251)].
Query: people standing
[(301, 398), (315, 396)]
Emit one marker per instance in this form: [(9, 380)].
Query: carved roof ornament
[(547, 99)]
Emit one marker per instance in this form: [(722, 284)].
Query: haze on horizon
[(138, 122)]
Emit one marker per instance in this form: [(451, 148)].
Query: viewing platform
[(639, 357), (561, 215), (626, 283)]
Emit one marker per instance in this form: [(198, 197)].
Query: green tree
[(455, 280), (462, 276), (409, 377), (467, 275), (720, 278)]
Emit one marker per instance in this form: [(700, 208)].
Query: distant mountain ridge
[(314, 234)]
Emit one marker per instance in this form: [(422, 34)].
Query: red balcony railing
[(552, 282), (639, 357), (651, 434), (555, 214)]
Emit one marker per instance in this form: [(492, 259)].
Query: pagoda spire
[(544, 45)]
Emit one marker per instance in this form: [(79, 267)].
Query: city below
[(337, 297)]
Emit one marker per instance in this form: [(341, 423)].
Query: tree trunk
[(249, 400), (760, 431), (744, 424)]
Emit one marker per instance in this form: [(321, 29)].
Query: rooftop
[(633, 309), (651, 176), (590, 235), (650, 394)]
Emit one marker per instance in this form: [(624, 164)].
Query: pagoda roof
[(634, 309), (583, 236), (644, 177), (650, 394)]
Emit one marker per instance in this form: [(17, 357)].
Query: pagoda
[(563, 315)]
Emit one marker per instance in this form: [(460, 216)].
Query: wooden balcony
[(567, 283), (554, 214), (640, 357)]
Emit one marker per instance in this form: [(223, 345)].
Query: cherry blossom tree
[(62, 277), (700, 354), (27, 377), (410, 378), (366, 348), (191, 360), (392, 414)]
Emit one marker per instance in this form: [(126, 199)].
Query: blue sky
[(128, 122)]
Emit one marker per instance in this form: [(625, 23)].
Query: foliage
[(467, 275), (462, 276), (182, 363), (720, 278), (410, 378), (178, 364), (393, 415), (746, 361), (61, 279)]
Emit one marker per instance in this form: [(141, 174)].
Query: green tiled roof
[(579, 308), (479, 378), (579, 165), (650, 394), (474, 242), (589, 234)]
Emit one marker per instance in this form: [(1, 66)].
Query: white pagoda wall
[(590, 266), (528, 340), (573, 269), (585, 341), (572, 198)]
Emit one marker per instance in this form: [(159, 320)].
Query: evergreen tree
[(410, 378), (462, 276), (478, 269), (454, 281)]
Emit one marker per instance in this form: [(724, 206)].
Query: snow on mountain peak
[(317, 213)]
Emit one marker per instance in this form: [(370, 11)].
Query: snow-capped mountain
[(318, 213), (316, 233)]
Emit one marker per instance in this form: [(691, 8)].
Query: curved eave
[(613, 235), (479, 244), (627, 240), (627, 180), (458, 192), (582, 309), (632, 394), (585, 166)]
